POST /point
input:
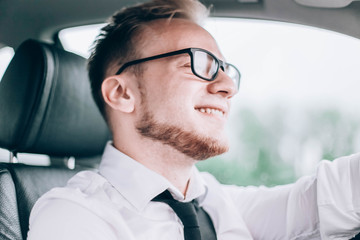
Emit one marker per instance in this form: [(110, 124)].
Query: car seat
[(46, 107)]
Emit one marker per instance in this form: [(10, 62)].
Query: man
[(164, 88)]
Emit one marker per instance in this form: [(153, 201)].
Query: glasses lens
[(205, 65), (233, 73)]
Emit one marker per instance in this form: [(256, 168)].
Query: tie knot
[(186, 211), (197, 223)]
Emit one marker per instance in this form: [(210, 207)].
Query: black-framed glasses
[(203, 64)]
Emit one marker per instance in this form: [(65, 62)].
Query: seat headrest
[(46, 105)]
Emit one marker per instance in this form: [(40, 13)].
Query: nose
[(223, 85)]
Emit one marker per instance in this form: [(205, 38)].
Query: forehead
[(162, 36)]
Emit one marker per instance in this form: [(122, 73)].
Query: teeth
[(211, 111)]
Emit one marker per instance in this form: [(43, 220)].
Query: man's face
[(176, 107)]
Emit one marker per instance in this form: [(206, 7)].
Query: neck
[(160, 158)]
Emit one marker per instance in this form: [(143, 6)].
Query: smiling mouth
[(211, 111)]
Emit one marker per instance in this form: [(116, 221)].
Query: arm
[(326, 205)]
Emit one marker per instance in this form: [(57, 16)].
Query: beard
[(187, 142)]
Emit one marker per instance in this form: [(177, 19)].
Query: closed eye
[(187, 64)]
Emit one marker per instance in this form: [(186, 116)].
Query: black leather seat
[(46, 108)]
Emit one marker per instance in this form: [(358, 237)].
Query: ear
[(117, 94)]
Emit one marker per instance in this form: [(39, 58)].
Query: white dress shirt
[(115, 203)]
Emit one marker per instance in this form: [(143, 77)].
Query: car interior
[(46, 105)]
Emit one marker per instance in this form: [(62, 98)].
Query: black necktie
[(197, 223)]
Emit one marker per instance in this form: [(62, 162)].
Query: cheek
[(174, 107), (171, 96)]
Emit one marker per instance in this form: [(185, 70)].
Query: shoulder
[(62, 219), (209, 178), (82, 187), (88, 200), (244, 194), (79, 208), (340, 164)]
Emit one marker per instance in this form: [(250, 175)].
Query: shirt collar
[(138, 184)]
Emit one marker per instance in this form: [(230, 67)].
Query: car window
[(6, 54), (79, 39), (297, 103)]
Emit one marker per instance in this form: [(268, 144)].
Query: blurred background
[(298, 101)]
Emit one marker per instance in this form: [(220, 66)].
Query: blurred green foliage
[(279, 145)]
